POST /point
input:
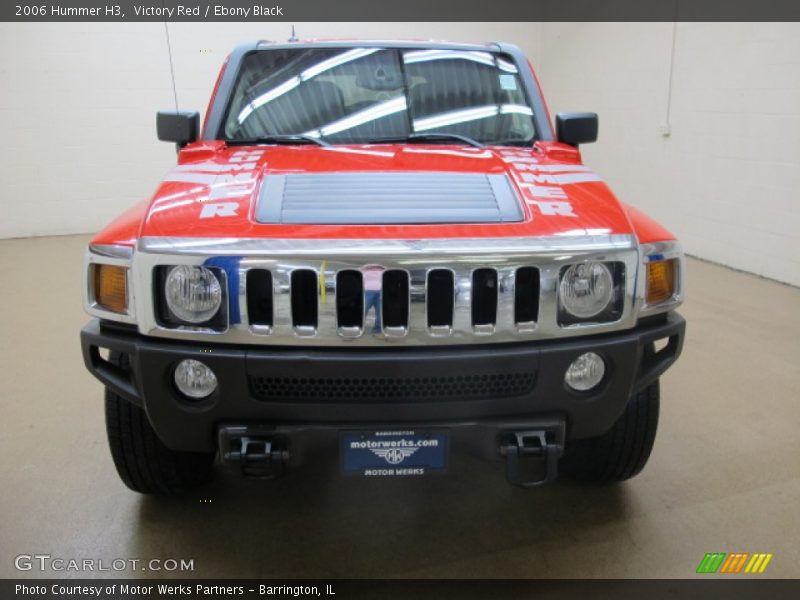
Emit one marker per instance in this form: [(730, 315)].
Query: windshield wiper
[(289, 138), (442, 135), (428, 136)]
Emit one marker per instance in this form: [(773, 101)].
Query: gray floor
[(724, 475)]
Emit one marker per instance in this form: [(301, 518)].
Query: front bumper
[(483, 389)]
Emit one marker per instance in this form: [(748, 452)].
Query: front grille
[(391, 302), (370, 292), (392, 389)]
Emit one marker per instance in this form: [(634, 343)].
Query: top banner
[(408, 10)]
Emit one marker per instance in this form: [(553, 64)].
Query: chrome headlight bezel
[(169, 316), (610, 311)]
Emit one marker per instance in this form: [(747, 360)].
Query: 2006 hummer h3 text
[(383, 252)]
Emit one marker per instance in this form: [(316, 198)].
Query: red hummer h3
[(381, 252)]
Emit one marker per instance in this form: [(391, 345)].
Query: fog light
[(585, 372), (194, 379)]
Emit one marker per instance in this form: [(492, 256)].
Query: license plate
[(394, 453)]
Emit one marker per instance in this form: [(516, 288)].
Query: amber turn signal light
[(661, 280), (110, 287)]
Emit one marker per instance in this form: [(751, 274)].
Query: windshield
[(368, 95)]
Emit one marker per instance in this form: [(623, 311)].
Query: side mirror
[(576, 128), (179, 127)]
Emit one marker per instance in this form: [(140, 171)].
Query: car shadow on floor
[(313, 522)]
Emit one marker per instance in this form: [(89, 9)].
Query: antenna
[(294, 37)]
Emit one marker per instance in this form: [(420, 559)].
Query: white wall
[(78, 101), (727, 179)]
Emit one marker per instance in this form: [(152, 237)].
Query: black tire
[(143, 462), (622, 452)]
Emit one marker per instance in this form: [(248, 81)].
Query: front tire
[(623, 451), (142, 460)]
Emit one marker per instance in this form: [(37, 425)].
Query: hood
[(396, 191)]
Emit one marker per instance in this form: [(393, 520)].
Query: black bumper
[(324, 390)]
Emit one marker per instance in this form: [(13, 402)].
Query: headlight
[(193, 294), (586, 289)]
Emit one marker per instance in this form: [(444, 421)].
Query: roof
[(330, 43)]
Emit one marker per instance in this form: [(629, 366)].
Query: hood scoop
[(386, 199)]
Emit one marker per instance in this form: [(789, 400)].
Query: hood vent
[(387, 199)]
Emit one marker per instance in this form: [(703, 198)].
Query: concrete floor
[(724, 475)]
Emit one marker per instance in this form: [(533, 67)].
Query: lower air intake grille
[(392, 389)]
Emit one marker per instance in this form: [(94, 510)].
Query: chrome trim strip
[(112, 251), (274, 247)]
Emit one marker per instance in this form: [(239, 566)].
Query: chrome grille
[(388, 303), (430, 292)]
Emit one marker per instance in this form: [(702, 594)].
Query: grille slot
[(305, 295), (484, 297), (392, 389), (440, 298), (259, 298), (526, 295), (395, 300), (349, 299)]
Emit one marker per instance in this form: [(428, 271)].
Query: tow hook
[(259, 456), (531, 459)]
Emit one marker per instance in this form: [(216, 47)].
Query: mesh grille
[(388, 389)]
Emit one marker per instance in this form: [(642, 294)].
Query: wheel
[(143, 462), (622, 452)]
